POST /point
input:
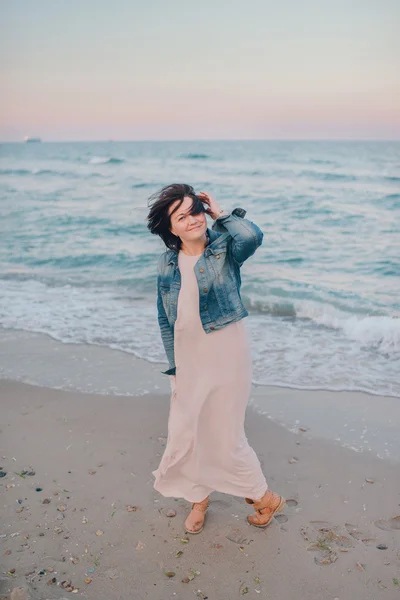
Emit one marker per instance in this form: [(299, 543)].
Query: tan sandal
[(266, 508), (201, 509)]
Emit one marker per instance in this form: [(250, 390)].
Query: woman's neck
[(195, 248)]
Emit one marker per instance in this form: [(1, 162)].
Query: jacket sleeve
[(246, 235), (167, 332)]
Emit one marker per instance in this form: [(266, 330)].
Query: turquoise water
[(323, 291)]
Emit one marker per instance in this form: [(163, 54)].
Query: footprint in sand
[(326, 540), (281, 518), (359, 535), (388, 525), (291, 502), (237, 536), (330, 533)]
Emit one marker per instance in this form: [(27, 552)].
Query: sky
[(215, 69)]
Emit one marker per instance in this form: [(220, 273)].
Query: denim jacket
[(233, 239)]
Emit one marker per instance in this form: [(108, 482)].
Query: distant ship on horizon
[(32, 139)]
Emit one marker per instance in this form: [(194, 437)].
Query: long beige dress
[(207, 449)]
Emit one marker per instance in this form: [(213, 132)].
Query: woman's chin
[(198, 233)]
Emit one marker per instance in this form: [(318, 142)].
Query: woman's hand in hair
[(213, 207)]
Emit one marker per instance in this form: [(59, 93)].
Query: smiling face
[(186, 226)]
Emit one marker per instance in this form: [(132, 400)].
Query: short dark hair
[(159, 220)]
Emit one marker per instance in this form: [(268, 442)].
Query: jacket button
[(205, 307), (201, 270), (217, 255), (205, 290), (212, 328)]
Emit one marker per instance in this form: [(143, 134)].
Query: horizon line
[(63, 141)]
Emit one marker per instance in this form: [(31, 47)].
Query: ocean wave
[(319, 161), (327, 176), (253, 173), (387, 268), (270, 306), (134, 284), (195, 156), (14, 172), (389, 202), (85, 260), (295, 260), (51, 172), (328, 388), (103, 160), (23, 172), (379, 332), (391, 197), (142, 185), (66, 220), (344, 350), (134, 229)]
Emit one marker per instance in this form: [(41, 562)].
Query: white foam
[(287, 353), (98, 160), (82, 315), (381, 332)]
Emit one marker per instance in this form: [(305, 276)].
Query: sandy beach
[(80, 515)]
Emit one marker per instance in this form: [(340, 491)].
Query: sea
[(78, 264)]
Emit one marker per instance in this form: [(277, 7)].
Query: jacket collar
[(212, 248)]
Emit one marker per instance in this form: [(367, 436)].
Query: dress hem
[(220, 490)]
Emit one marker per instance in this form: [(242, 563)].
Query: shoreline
[(267, 369), (362, 422), (97, 455), (158, 366)]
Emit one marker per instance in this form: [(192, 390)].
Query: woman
[(200, 314)]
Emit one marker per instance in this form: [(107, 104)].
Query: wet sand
[(97, 516)]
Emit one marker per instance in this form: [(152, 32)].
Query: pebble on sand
[(29, 471)]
